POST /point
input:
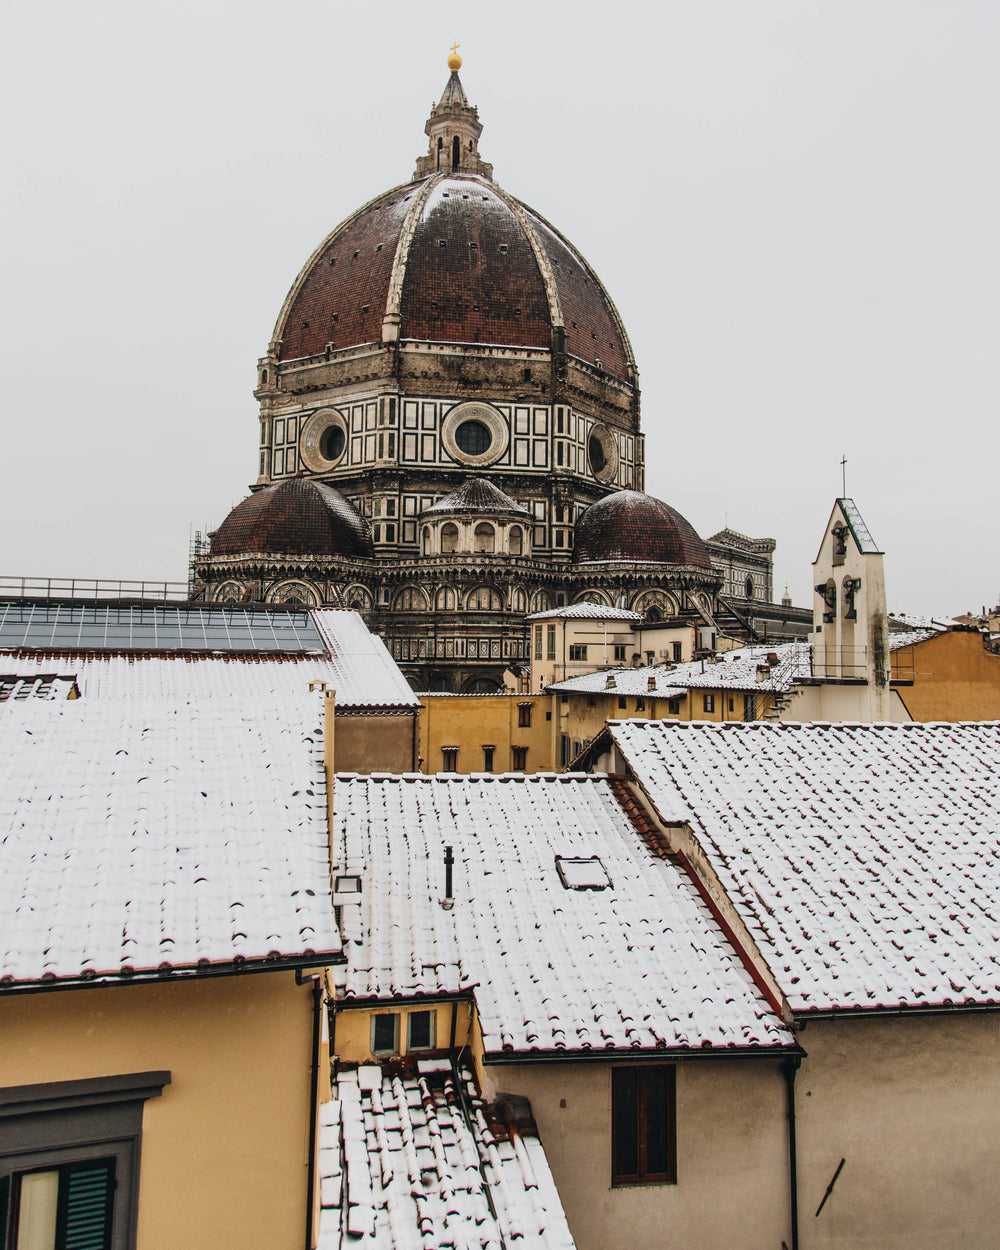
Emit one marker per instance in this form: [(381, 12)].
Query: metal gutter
[(156, 977), (522, 1057)]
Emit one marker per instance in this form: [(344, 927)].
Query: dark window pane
[(659, 1121), (625, 1120), (420, 1030), (384, 1033)]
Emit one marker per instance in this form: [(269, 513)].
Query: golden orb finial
[(454, 61)]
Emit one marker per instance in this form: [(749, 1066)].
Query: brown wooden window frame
[(519, 756), (524, 715), (621, 1114)]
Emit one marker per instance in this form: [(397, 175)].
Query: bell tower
[(453, 129)]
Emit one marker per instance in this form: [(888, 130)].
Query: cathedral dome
[(629, 525), (297, 517), (451, 258)]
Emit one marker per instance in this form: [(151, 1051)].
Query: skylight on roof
[(113, 627), (582, 873)]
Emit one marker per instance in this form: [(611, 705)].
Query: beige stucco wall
[(732, 1170), (376, 743), (954, 678), (225, 1149), (847, 702), (912, 1104), (470, 721)]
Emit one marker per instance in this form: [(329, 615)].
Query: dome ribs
[(593, 328), (347, 279), (472, 275)]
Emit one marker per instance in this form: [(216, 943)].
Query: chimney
[(610, 683), (650, 685), (448, 902)]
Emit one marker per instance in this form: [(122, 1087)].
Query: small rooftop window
[(583, 873)]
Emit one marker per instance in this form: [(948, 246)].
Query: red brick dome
[(632, 526), (295, 518), (452, 258)]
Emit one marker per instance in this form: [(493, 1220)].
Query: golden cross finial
[(453, 48), (454, 60)]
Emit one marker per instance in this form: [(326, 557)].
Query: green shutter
[(87, 1205)]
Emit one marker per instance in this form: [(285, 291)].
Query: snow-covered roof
[(587, 612), (155, 836), (357, 667), (639, 964), (405, 1165), (735, 670), (863, 858)]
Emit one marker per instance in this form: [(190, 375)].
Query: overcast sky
[(795, 206)]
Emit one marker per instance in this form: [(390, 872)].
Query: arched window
[(410, 599), (456, 153), (427, 540), (541, 601), (519, 601), (439, 151), (483, 599), (449, 538), (445, 600), (516, 540), (485, 539)]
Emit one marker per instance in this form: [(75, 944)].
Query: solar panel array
[(106, 627)]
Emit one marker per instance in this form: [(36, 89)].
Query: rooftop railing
[(91, 590)]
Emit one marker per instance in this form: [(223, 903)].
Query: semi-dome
[(297, 517), (451, 257), (632, 526)]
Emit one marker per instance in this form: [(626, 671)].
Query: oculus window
[(473, 438)]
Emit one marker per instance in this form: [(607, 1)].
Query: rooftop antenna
[(843, 477)]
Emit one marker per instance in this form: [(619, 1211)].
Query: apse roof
[(476, 494), (630, 526), (298, 516)]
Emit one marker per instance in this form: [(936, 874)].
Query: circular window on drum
[(475, 434), (324, 440), (602, 453)]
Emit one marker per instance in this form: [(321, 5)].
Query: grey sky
[(793, 204)]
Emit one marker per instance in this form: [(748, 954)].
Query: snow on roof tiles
[(736, 670), (358, 668), (365, 674), (864, 858), (138, 836), (403, 1165), (641, 964), (587, 612)]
